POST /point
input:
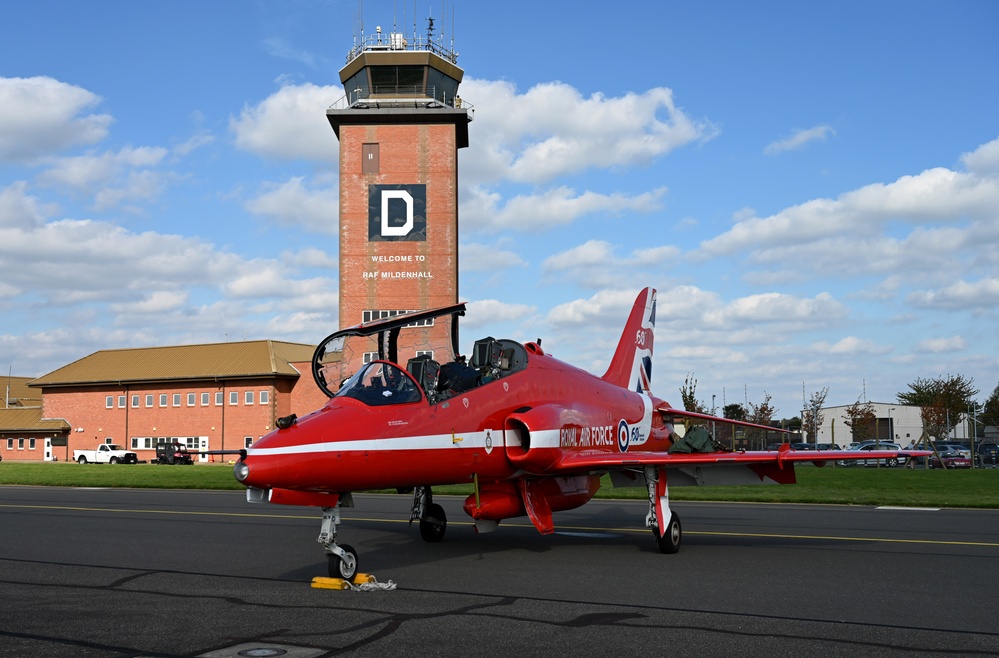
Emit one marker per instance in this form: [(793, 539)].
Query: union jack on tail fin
[(631, 366)]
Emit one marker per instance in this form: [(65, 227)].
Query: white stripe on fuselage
[(427, 442), (485, 439)]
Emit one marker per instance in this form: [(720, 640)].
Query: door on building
[(202, 445), (48, 450)]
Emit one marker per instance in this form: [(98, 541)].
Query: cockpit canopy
[(381, 383)]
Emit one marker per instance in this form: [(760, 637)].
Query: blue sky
[(813, 188)]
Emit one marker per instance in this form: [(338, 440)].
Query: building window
[(368, 357), (31, 444), (233, 397), (10, 444), (190, 399), (108, 440), (176, 399), (121, 401), (20, 444), (265, 397), (369, 316), (247, 441), (248, 399), (109, 402), (135, 401), (204, 399), (142, 443), (149, 399), (163, 398), (218, 398)]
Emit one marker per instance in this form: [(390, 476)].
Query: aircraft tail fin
[(631, 366)]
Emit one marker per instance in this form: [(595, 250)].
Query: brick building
[(400, 125), (211, 397), (24, 434)]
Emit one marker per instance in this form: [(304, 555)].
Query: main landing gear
[(668, 537), (341, 559), (433, 520)]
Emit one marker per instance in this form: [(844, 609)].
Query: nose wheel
[(343, 565), (341, 559)]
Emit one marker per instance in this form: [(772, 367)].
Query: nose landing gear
[(341, 559)]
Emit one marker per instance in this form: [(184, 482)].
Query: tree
[(760, 414), (989, 414), (727, 432), (734, 411), (942, 400), (812, 415), (860, 419), (688, 394)]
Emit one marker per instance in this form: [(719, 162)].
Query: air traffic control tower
[(400, 125)]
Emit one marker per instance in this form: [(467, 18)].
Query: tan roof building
[(220, 396)]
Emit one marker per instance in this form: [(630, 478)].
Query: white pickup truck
[(106, 453)]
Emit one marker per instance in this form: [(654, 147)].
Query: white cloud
[(595, 264), (552, 130), (799, 139), (938, 345), (489, 312), (550, 208), (475, 257), (290, 124), (293, 204), (111, 178), (983, 160), (41, 116), (961, 295), (21, 211)]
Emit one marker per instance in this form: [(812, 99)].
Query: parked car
[(950, 457), (826, 446), (960, 447), (988, 453), (877, 446), (802, 446)]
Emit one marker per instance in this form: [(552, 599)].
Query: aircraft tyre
[(433, 525), (345, 568), (669, 543)]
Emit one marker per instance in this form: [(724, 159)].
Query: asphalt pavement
[(106, 572)]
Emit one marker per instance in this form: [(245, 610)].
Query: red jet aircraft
[(531, 433)]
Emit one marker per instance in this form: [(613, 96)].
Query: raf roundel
[(623, 436)]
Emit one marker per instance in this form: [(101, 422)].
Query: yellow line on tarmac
[(704, 533)]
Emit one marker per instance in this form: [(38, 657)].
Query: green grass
[(142, 476), (856, 486)]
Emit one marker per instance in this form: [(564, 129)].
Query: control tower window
[(397, 79)]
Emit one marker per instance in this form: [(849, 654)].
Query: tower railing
[(396, 41), (401, 96)]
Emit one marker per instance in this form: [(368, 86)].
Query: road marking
[(507, 523)]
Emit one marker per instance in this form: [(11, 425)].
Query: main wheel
[(82, 459), (669, 543), (434, 524), (345, 567)]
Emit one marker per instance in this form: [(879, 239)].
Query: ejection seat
[(426, 371)]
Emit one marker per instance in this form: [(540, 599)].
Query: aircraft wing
[(593, 460)]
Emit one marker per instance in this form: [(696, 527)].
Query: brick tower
[(400, 125)]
